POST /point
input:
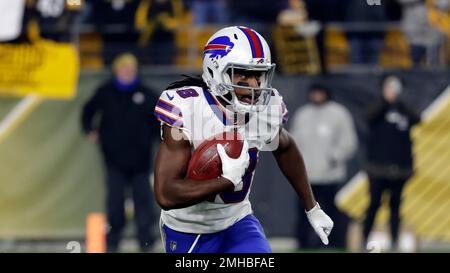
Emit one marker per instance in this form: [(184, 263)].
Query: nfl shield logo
[(173, 245)]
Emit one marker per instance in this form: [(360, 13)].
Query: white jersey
[(199, 115)]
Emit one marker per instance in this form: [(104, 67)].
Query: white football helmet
[(238, 48)]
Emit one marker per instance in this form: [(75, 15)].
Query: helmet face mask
[(235, 58), (258, 97)]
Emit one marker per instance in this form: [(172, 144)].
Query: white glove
[(234, 169), (321, 223)]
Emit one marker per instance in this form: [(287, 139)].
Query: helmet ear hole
[(211, 72)]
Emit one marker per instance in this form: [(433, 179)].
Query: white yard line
[(18, 114)]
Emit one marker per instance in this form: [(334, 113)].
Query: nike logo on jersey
[(169, 96)]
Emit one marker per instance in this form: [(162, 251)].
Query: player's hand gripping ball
[(206, 163)]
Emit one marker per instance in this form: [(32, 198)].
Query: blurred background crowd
[(367, 85), (306, 36)]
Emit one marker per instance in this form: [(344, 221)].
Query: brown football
[(205, 161)]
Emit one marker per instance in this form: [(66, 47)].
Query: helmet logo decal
[(219, 47)]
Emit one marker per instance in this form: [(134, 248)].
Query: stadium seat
[(396, 51), (91, 45), (295, 53), (336, 47), (190, 43)]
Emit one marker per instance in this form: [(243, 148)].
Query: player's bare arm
[(291, 163), (172, 189)]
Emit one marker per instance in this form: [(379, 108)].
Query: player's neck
[(223, 102), (237, 118)]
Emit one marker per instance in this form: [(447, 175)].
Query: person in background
[(157, 21), (389, 153), (439, 15), (423, 38), (295, 14), (256, 13), (209, 11), (366, 34), (114, 21), (324, 130), (125, 132), (324, 12)]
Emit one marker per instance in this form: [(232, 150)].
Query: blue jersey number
[(238, 196), (186, 93)]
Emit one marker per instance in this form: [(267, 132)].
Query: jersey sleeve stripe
[(166, 119), (164, 109), (163, 105)]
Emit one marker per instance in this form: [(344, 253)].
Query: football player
[(234, 93)]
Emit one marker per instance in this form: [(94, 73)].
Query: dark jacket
[(389, 147), (359, 11), (126, 126)]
